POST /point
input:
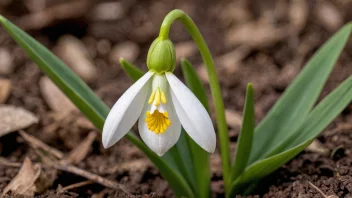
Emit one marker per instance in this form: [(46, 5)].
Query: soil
[(266, 43)]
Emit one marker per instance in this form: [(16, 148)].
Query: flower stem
[(213, 81)]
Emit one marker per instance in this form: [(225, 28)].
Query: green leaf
[(292, 109), (264, 167), (323, 114), (199, 156), (132, 71), (84, 98), (244, 143), (182, 156)]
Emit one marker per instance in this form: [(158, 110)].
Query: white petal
[(126, 111), (192, 114), (160, 143)]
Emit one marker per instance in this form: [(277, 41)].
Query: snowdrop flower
[(161, 103)]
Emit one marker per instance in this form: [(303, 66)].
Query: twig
[(5, 162), (76, 185), (93, 177), (36, 143), (321, 192)]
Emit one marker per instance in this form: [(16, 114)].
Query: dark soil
[(270, 62)]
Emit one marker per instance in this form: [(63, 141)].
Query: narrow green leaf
[(323, 114), (244, 143), (182, 155), (264, 167), (132, 71), (85, 99), (199, 156), (292, 109)]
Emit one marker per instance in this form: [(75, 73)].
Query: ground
[(263, 42)]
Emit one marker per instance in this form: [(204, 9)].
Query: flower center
[(157, 122)]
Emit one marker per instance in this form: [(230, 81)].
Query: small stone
[(54, 97), (233, 118), (103, 46), (127, 50), (329, 16), (5, 88), (6, 59), (74, 53), (185, 50), (108, 11)]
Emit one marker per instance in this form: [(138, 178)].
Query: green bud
[(161, 56)]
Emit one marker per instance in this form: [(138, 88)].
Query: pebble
[(127, 50), (74, 53), (6, 59), (5, 88), (185, 49), (54, 97), (108, 11)]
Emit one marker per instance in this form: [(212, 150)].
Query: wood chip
[(24, 182), (74, 53), (233, 118), (15, 118), (5, 88), (54, 97), (80, 152)]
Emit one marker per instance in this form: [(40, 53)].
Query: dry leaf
[(14, 118), (80, 152), (5, 87), (54, 97), (24, 182)]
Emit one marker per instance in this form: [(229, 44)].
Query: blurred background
[(265, 42)]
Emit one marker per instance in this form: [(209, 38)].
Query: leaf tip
[(2, 19), (250, 87)]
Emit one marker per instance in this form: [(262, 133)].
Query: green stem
[(213, 81)]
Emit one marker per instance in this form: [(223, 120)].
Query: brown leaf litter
[(15, 118)]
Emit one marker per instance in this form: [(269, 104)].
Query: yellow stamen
[(157, 122), (163, 98), (152, 96), (157, 98)]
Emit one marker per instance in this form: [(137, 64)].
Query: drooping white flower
[(162, 103)]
